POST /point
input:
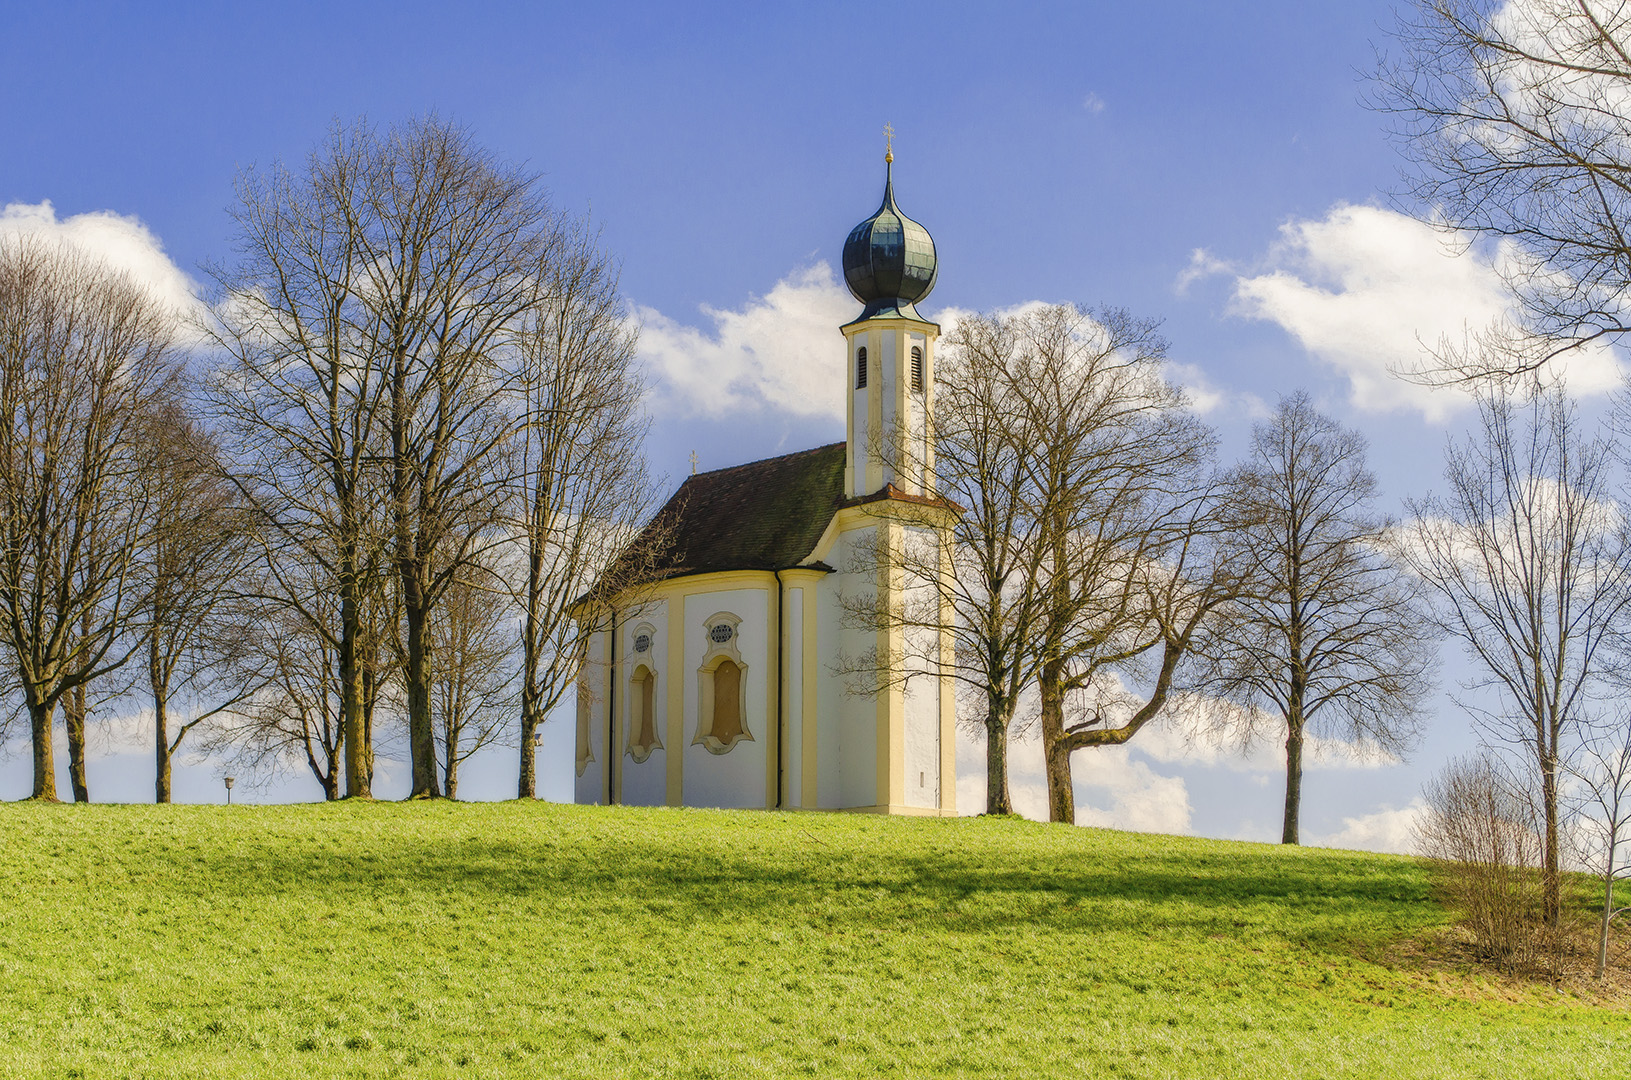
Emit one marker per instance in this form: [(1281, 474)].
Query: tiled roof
[(765, 515)]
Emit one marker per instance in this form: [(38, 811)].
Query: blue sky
[(1210, 165)]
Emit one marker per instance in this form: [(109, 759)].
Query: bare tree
[(192, 572), (85, 360), (1327, 631), (1529, 555), (1601, 765), (300, 403), (1515, 120), (1117, 475), (457, 252), (472, 653), (294, 718), (582, 489)]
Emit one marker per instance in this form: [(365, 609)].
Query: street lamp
[(229, 790)]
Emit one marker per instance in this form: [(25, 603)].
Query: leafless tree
[(1601, 767), (300, 403), (85, 360), (1529, 556), (192, 572), (1328, 630), (1516, 121), (457, 250), (472, 655), (1118, 480), (581, 491), (295, 716)]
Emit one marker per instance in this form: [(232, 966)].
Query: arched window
[(727, 725), (917, 370), (643, 738), (722, 717), (860, 368), (585, 753)]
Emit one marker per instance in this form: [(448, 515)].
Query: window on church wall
[(585, 754), (860, 368), (917, 370), (722, 717), (643, 737)]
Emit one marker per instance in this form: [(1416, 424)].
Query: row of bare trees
[(411, 436)]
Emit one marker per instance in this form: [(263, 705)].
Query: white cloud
[(1093, 103), (1125, 793), (1385, 830), (1364, 288), (124, 243), (1209, 398), (780, 351)]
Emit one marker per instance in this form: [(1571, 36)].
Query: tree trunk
[(1061, 795), (421, 732), (1551, 880), (997, 800), (527, 787), (359, 772), (1294, 779), (45, 768), (73, 716), (161, 745)]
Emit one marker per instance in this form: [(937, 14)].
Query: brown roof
[(765, 515)]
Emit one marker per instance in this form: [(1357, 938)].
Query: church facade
[(781, 658)]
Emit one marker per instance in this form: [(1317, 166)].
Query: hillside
[(498, 940)]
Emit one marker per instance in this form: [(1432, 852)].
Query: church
[(755, 670)]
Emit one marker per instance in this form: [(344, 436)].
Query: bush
[(1486, 838)]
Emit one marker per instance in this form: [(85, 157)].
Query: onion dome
[(889, 261)]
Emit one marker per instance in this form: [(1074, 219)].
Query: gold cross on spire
[(889, 143), (693, 463)]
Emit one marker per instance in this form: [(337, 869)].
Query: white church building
[(743, 677)]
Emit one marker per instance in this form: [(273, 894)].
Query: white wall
[(793, 700), (590, 787), (736, 778), (644, 783)]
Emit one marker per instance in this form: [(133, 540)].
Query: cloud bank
[(122, 242), (1367, 290)]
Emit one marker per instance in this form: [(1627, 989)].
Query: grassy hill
[(456, 940)]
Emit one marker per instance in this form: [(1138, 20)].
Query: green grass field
[(499, 940)]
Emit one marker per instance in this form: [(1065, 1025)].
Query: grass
[(532, 940)]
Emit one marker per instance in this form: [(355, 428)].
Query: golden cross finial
[(889, 143), (693, 463)]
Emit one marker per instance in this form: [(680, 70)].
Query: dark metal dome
[(889, 261)]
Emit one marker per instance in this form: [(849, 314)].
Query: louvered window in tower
[(860, 369), (917, 370)]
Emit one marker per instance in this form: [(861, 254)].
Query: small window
[(860, 368), (721, 633), (642, 643), (917, 370)]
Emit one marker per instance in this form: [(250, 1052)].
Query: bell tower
[(889, 265)]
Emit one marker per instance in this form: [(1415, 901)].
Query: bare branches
[(85, 363), (1327, 630), (1531, 562), (1515, 119)]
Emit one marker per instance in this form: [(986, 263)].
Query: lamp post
[(229, 790)]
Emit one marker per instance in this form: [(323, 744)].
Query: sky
[(1213, 166)]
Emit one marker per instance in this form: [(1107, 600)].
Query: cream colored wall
[(735, 778), (589, 787), (643, 783)]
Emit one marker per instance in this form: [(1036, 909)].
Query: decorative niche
[(722, 687), (642, 699)]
